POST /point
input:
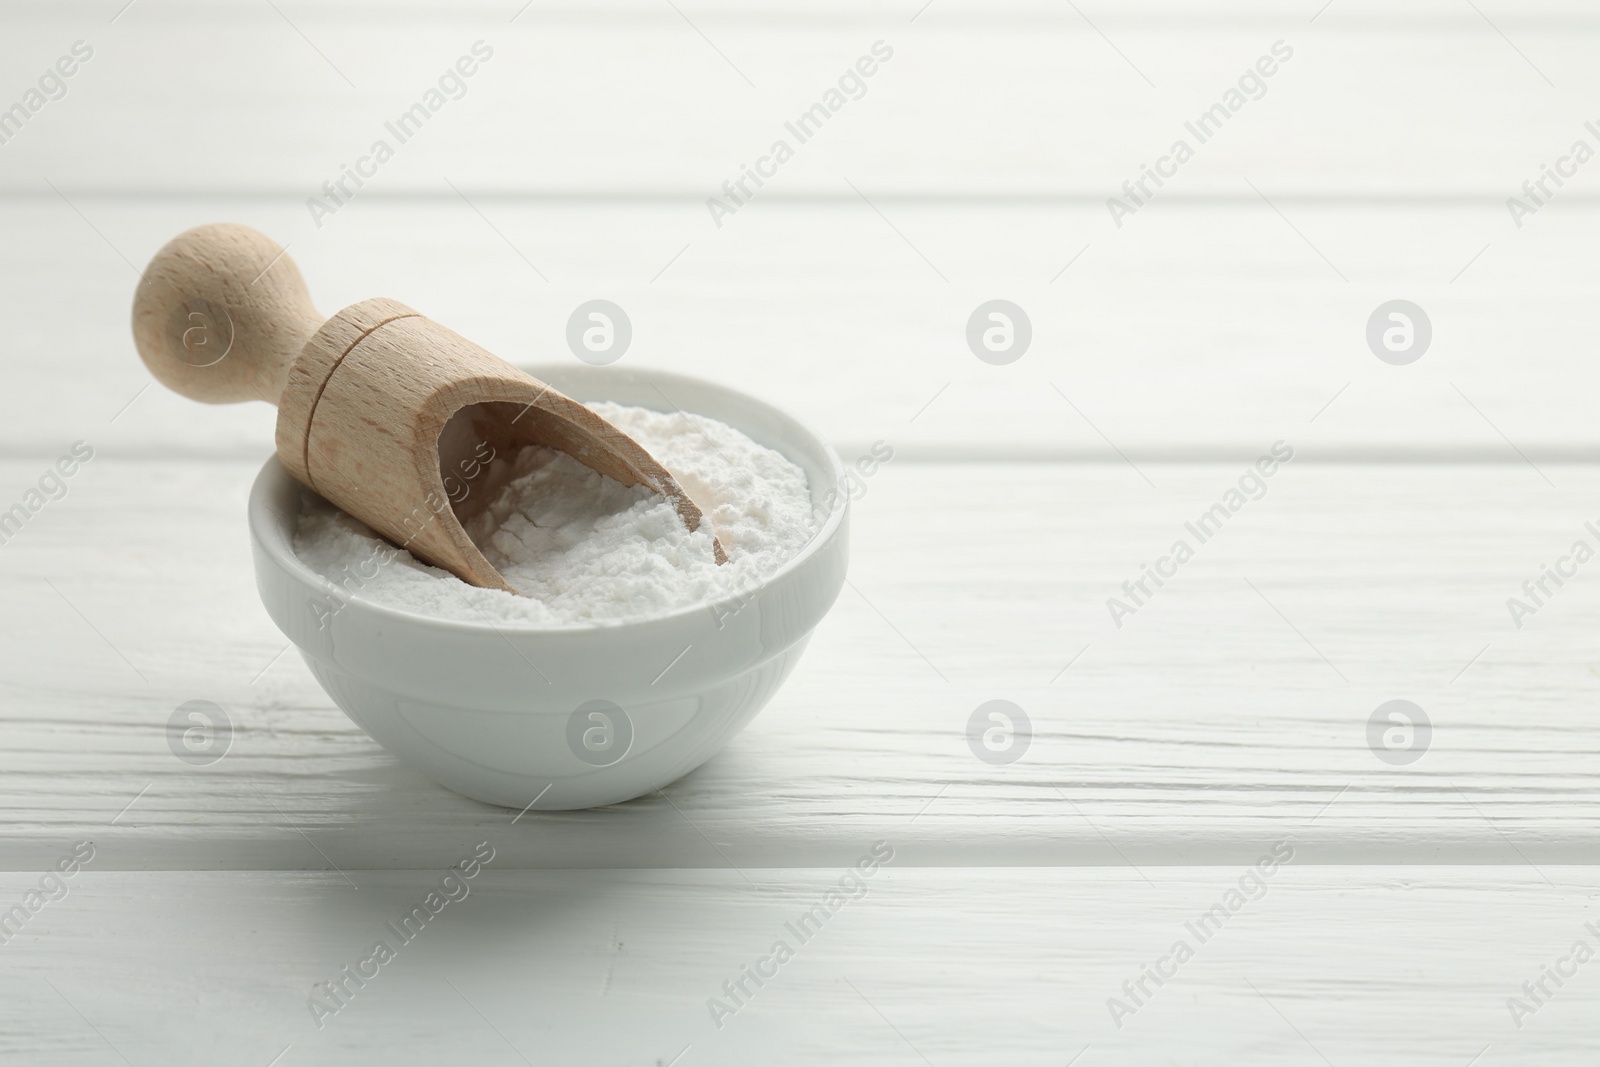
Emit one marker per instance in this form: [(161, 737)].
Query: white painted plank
[(1194, 332), (1440, 100), (1229, 710), (784, 12), (1360, 965)]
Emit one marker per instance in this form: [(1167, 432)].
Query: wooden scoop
[(387, 414)]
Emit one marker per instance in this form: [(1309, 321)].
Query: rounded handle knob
[(221, 313)]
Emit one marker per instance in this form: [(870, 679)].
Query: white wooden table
[(1226, 719)]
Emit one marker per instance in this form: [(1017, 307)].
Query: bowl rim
[(280, 548)]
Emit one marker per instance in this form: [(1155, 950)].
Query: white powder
[(583, 549)]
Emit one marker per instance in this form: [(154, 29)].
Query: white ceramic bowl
[(569, 718)]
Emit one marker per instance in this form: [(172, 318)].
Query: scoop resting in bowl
[(567, 717)]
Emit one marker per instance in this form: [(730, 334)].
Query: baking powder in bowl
[(582, 548)]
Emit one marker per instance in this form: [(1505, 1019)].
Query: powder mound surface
[(582, 548)]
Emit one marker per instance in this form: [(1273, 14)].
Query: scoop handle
[(221, 313)]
